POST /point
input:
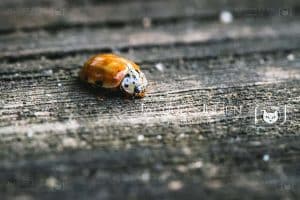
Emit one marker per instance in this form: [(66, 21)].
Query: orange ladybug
[(115, 73)]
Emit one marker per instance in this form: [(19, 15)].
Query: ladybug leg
[(98, 83)]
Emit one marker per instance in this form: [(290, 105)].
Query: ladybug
[(114, 73)]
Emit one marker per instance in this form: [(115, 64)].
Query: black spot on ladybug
[(137, 90)]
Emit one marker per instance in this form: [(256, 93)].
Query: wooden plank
[(82, 40), (148, 55), (198, 133), (200, 78), (56, 15), (218, 168)]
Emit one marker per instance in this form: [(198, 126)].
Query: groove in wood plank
[(170, 54), (16, 47)]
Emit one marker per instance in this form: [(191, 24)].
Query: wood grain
[(195, 135)]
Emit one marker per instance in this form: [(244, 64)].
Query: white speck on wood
[(175, 185), (196, 165), (226, 17), (140, 138), (160, 67), (51, 182), (69, 142), (266, 157), (291, 57)]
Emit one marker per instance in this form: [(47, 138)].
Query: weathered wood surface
[(194, 136)]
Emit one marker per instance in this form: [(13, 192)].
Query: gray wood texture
[(198, 134)]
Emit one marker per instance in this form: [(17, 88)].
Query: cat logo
[(270, 117)]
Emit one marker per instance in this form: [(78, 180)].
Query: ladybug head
[(134, 83)]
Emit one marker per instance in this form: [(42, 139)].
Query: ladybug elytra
[(115, 73)]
